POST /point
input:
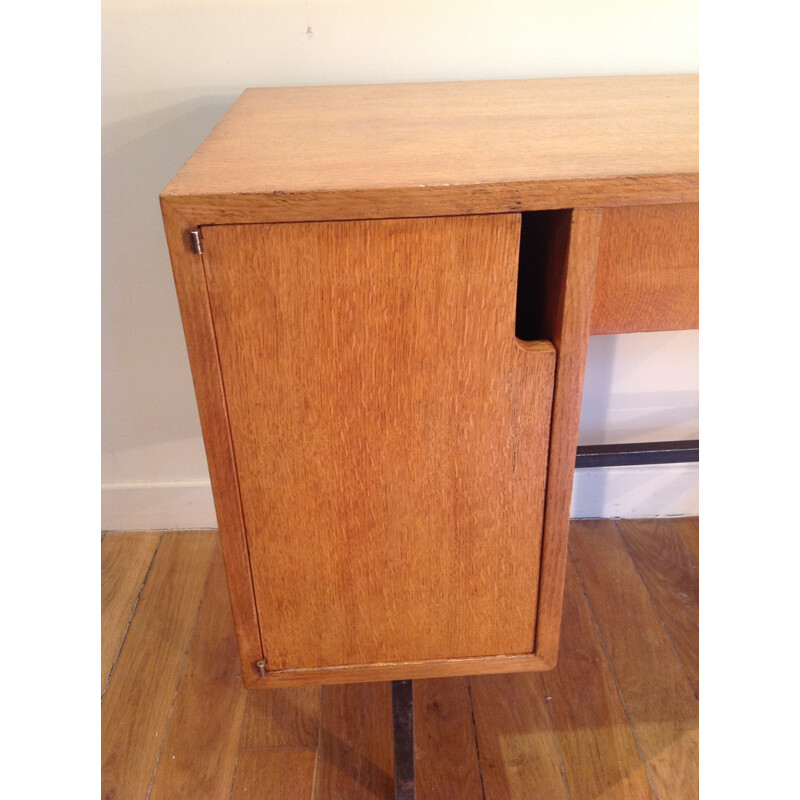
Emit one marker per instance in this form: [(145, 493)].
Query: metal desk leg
[(403, 722)]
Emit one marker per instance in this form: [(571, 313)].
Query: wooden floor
[(617, 718)]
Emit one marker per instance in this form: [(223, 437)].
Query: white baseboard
[(658, 490), (663, 490), (157, 506)]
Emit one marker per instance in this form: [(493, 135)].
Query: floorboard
[(658, 696), (519, 753), (689, 528), (125, 559), (281, 718), (285, 774), (670, 573), (444, 741), (355, 757), (617, 718), (598, 747), (137, 703), (199, 754)]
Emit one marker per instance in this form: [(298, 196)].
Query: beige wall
[(170, 70)]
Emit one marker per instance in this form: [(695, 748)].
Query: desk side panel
[(198, 328)]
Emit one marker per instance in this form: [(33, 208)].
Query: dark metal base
[(403, 724)]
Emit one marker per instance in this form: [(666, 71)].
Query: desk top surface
[(403, 137)]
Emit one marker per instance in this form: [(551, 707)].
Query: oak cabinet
[(388, 364)]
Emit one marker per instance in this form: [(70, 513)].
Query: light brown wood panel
[(433, 201), (446, 761), (599, 751), (648, 269), (125, 559), (518, 749), (199, 755), (306, 153), (670, 573), (570, 264), (138, 700), (355, 757), (282, 718), (274, 775), (198, 328), (658, 697), (390, 435)]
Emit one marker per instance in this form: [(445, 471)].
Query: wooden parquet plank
[(657, 695), (281, 718), (355, 755), (598, 748), (670, 573), (199, 755), (689, 528), (446, 760), (519, 755), (139, 697), (635, 575), (285, 774), (125, 559)]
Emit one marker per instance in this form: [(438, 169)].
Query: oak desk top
[(341, 152)]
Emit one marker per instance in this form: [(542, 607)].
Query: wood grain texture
[(199, 755), (514, 736), (658, 697), (274, 775), (423, 151), (689, 529), (648, 269), (281, 718), (570, 264), (198, 328), (390, 435), (670, 573), (600, 753), (401, 670), (138, 700), (313, 153), (434, 201), (519, 754), (355, 757), (125, 559), (445, 757)]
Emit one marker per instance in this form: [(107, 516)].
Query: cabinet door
[(390, 435)]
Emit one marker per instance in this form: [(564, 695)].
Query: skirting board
[(660, 490), (657, 490), (186, 505)]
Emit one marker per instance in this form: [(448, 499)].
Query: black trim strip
[(626, 455)]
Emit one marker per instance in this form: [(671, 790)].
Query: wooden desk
[(387, 294)]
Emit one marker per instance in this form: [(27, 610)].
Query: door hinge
[(261, 666), (197, 241)]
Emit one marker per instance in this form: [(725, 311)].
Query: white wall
[(170, 70)]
